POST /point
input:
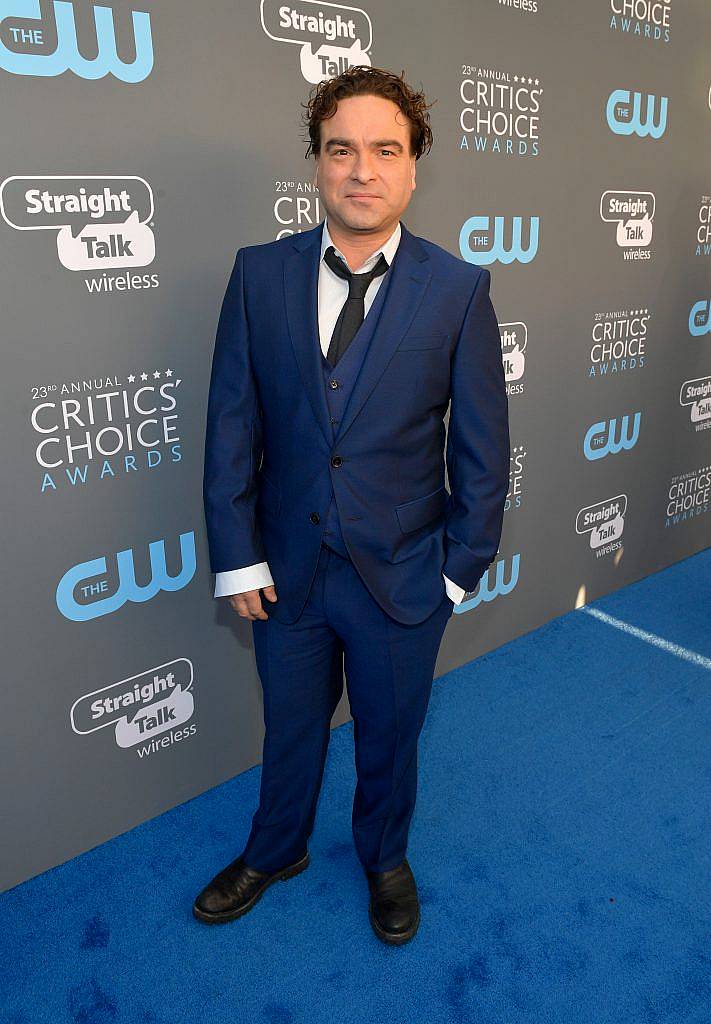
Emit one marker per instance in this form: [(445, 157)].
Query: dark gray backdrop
[(203, 153)]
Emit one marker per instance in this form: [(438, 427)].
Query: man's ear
[(414, 174)]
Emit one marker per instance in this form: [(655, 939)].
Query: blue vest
[(345, 373)]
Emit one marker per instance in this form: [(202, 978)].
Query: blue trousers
[(389, 667)]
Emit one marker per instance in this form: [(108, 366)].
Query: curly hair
[(363, 80)]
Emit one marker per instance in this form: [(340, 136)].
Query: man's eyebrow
[(392, 143)]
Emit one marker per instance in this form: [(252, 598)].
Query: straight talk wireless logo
[(144, 711), (101, 222), (330, 37)]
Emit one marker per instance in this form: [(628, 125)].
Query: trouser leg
[(389, 669), (300, 668)]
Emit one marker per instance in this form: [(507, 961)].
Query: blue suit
[(351, 513), (437, 339)]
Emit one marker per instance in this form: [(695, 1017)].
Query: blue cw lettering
[(624, 114), (596, 445), (66, 56), (498, 251), (699, 319), (128, 589)]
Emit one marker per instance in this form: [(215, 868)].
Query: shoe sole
[(224, 916), (393, 938)]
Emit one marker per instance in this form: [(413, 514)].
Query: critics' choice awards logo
[(688, 496), (141, 708), (603, 524), (517, 462), (297, 207), (619, 342), (608, 437), (501, 112), (330, 37), (493, 584), (632, 113), (44, 47), (89, 590), (696, 396), (484, 243), (633, 213), (514, 339), (703, 229), (645, 19), (699, 318), (101, 223), (103, 427)]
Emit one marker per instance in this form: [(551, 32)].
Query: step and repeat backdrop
[(142, 145)]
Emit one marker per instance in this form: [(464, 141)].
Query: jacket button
[(315, 517), (333, 383), (336, 461)]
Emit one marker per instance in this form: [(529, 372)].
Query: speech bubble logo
[(634, 232), (121, 702), (107, 246), (328, 61), (156, 719), (102, 221)]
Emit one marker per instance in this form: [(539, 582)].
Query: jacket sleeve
[(478, 444), (233, 438)]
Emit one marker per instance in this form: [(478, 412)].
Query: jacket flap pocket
[(420, 338), (413, 514)]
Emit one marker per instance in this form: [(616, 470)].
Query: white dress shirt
[(332, 293)]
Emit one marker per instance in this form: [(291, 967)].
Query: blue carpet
[(561, 844)]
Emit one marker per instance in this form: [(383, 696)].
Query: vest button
[(336, 461), (315, 517)]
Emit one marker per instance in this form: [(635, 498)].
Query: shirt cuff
[(454, 591), (237, 581)]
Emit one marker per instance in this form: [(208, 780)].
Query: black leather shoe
[(237, 888), (394, 909)]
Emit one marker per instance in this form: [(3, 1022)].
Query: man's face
[(365, 173)]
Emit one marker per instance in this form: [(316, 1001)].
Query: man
[(338, 351)]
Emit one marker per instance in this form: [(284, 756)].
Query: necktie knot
[(353, 310), (357, 283)]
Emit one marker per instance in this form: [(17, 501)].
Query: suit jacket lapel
[(409, 281)]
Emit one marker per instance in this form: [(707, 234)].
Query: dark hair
[(363, 80)]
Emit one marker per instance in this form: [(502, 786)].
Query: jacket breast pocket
[(420, 338), (413, 514)]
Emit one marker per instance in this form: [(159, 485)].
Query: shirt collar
[(388, 248)]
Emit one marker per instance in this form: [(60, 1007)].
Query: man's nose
[(363, 169)]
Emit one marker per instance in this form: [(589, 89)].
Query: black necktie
[(353, 311)]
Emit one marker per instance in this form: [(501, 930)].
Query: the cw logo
[(699, 319), (601, 440), (624, 114), (99, 602), (66, 56), (488, 590), (497, 250)]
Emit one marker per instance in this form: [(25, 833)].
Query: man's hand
[(249, 605)]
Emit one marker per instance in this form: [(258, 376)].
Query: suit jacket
[(271, 458)]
